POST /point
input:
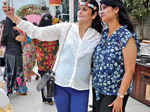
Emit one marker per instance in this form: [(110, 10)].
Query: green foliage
[(138, 8)]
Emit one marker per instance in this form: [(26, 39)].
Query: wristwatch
[(120, 95)]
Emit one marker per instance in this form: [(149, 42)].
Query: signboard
[(55, 2)]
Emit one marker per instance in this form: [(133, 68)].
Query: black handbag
[(49, 76), (47, 83), (2, 61)]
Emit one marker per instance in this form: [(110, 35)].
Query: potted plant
[(138, 10)]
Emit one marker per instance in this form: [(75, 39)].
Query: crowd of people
[(102, 44)]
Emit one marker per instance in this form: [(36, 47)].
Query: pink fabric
[(18, 80), (33, 18)]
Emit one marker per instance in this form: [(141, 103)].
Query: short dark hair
[(45, 20)]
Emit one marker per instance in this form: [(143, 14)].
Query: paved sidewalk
[(32, 102)]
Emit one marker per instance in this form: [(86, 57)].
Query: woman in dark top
[(13, 75)]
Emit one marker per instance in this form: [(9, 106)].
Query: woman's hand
[(9, 11), (22, 36), (117, 105), (2, 84)]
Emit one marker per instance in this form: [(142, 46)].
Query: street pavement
[(32, 102)]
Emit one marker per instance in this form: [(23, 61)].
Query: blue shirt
[(108, 64)]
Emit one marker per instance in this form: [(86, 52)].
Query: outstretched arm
[(49, 33)]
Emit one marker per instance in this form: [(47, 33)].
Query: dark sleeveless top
[(13, 47)]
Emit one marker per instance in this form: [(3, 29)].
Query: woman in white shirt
[(74, 66)]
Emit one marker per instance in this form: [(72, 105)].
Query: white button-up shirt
[(74, 65)]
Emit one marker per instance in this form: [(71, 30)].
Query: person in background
[(29, 59), (74, 66), (13, 75), (45, 53), (2, 48), (114, 59)]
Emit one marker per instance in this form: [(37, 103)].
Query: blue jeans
[(71, 100)]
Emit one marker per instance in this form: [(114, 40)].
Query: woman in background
[(29, 59), (13, 75), (45, 54)]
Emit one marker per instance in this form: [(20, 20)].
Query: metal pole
[(71, 10)]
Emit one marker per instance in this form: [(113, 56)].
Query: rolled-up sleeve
[(48, 33)]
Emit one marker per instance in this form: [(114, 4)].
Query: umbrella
[(33, 18)]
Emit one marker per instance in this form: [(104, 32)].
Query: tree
[(138, 10)]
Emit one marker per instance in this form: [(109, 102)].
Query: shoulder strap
[(60, 50)]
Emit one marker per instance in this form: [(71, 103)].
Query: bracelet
[(120, 95)]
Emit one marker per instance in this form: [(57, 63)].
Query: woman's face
[(108, 13), (85, 14)]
